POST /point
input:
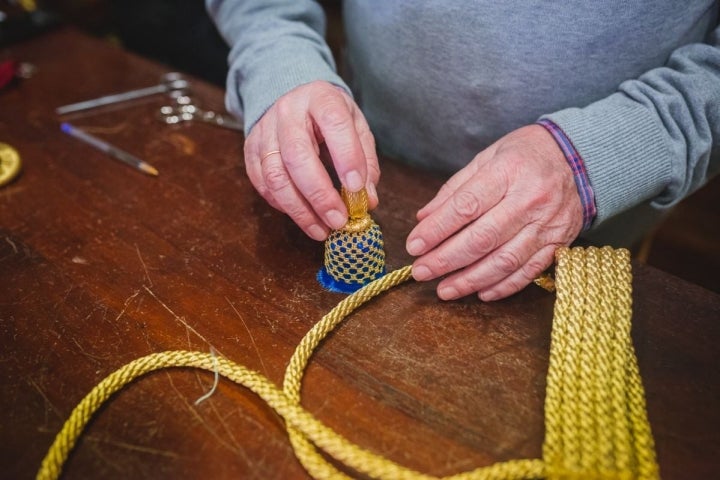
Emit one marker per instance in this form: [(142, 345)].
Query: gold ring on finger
[(268, 154)]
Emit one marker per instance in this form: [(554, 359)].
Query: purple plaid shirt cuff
[(587, 197)]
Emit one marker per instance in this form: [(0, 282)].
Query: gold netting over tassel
[(355, 254)]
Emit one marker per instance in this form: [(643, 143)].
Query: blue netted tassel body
[(355, 254)]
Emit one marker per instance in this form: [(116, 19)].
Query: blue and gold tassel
[(354, 254)]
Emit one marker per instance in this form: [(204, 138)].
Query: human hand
[(495, 225), (283, 156)]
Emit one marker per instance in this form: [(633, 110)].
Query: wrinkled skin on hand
[(495, 225), (296, 181)]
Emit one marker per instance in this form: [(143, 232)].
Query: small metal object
[(10, 163), (184, 110), (169, 82)]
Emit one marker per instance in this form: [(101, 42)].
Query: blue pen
[(111, 150)]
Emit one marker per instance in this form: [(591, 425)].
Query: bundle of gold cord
[(355, 254)]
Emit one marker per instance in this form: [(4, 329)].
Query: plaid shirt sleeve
[(587, 197)]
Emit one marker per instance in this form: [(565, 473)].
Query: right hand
[(295, 181)]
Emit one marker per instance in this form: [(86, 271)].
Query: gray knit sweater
[(635, 85)]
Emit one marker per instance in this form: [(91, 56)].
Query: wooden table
[(101, 264)]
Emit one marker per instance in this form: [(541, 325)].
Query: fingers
[(504, 272), (467, 202), (462, 176), (266, 169), (367, 142), (254, 156), (446, 191), (522, 277), (313, 195), (477, 240), (291, 201), (283, 163), (495, 226), (335, 121)]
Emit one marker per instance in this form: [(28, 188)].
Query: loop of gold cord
[(624, 450), (359, 219)]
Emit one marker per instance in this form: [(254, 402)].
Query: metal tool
[(169, 82), (184, 110)]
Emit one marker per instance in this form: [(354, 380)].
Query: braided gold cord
[(595, 417), (359, 219), (595, 420)]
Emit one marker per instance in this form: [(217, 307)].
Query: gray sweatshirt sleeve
[(277, 45), (652, 140)]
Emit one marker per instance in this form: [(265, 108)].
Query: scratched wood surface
[(100, 264)]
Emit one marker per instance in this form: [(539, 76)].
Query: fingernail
[(447, 293), (372, 193), (421, 272), (316, 232), (336, 219), (416, 246), (488, 296), (353, 181), (420, 215)]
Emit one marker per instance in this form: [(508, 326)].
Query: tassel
[(354, 254)]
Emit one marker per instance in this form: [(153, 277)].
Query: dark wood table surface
[(100, 264)]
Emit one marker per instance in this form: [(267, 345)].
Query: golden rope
[(595, 418)]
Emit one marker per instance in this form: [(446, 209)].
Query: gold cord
[(595, 419), (359, 219)]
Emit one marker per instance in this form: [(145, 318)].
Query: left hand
[(495, 225)]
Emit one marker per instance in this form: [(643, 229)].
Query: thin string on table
[(595, 418), (216, 379)]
